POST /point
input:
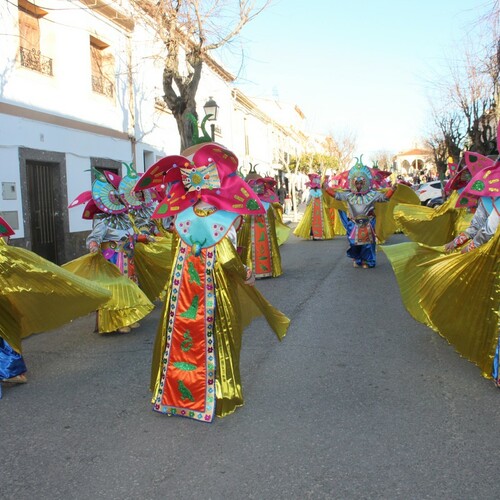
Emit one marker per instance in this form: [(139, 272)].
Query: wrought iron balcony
[(102, 86), (33, 59)]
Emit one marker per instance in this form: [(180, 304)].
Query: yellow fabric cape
[(37, 295), (153, 263), (128, 303), (282, 230)]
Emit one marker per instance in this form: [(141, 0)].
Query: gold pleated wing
[(153, 263), (460, 294), (128, 303), (37, 295), (405, 259), (431, 226), (385, 225), (457, 295)]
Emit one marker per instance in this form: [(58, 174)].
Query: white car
[(429, 190)]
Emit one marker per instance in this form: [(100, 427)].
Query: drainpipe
[(131, 105)]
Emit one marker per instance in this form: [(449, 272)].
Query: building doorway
[(42, 179)]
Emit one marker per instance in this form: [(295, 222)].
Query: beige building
[(414, 161)]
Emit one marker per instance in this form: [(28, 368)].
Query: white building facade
[(81, 89)]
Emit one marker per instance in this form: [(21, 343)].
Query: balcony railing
[(33, 59), (102, 86)]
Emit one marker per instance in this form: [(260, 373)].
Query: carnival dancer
[(152, 243), (257, 236), (361, 219), (111, 244), (316, 222), (195, 370), (35, 296), (437, 282)]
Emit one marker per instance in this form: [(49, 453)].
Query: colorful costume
[(458, 294), (36, 295), (118, 226), (316, 223), (258, 235), (195, 369), (360, 220)]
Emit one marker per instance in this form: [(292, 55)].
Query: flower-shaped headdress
[(474, 163), (314, 181), (360, 173), (485, 181), (103, 197), (126, 189), (484, 184), (112, 194), (210, 176)]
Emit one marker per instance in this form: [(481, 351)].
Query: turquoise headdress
[(360, 173)]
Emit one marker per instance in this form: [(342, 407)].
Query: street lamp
[(211, 109)]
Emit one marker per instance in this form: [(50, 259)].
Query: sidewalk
[(294, 218)]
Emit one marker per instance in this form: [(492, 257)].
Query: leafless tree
[(383, 159), (467, 113), (341, 146), (190, 30)]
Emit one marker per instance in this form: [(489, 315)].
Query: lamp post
[(211, 109)]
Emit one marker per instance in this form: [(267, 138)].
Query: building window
[(102, 65), (29, 35)]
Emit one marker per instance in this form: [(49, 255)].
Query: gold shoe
[(18, 379), (135, 325), (123, 329)]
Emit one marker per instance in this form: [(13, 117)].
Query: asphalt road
[(359, 401)]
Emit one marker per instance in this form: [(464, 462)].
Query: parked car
[(435, 202), (429, 190)]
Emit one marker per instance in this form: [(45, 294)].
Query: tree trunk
[(180, 97)]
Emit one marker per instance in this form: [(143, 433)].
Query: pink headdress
[(339, 180), (211, 176), (380, 177), (314, 181), (264, 187), (458, 181), (485, 184)]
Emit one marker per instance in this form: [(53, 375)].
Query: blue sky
[(364, 66)]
